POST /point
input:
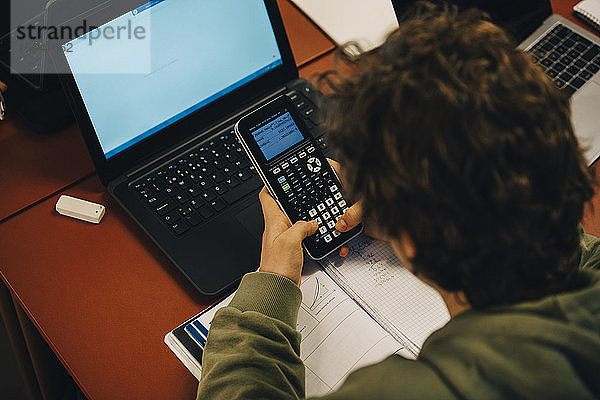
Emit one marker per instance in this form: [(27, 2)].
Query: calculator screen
[(277, 135)]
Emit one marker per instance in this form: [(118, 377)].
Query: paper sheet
[(366, 22)]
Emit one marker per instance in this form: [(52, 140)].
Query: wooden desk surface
[(103, 296), (36, 166)]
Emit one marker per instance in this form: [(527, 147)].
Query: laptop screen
[(160, 62)]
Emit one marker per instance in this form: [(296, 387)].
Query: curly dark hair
[(452, 135)]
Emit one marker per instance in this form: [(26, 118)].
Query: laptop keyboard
[(205, 181), (567, 57)]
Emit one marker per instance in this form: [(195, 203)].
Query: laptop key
[(242, 190), (180, 227), (171, 217), (206, 211), (208, 195), (232, 182), (196, 203), (577, 82), (194, 219), (182, 197), (565, 76), (569, 90), (218, 205), (580, 63), (591, 53), (221, 189), (573, 70), (592, 68), (165, 207)]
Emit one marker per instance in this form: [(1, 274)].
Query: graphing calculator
[(296, 172)]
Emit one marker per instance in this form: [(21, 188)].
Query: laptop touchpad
[(252, 219), (585, 105)]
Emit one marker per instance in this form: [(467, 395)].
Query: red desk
[(104, 296)]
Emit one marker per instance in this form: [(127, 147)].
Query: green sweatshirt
[(545, 349)]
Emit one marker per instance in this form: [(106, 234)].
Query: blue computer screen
[(277, 136), (184, 54)]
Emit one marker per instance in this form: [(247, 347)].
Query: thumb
[(351, 218), (301, 230)]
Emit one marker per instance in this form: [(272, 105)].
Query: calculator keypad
[(312, 191)]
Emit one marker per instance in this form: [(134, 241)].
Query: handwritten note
[(405, 306)]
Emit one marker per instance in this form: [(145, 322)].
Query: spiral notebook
[(589, 10), (355, 311)]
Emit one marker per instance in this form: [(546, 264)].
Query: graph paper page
[(405, 306)]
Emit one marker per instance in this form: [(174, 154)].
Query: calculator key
[(310, 149), (344, 209), (323, 230), (335, 210), (336, 233), (342, 204), (329, 202), (276, 170), (312, 213), (321, 207), (333, 188), (319, 220), (338, 196), (285, 165), (293, 160), (302, 154), (330, 224), (328, 238), (326, 215)]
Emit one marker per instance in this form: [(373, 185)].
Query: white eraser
[(80, 209)]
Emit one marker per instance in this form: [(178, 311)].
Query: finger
[(275, 220), (301, 230), (335, 165), (351, 218), (344, 250)]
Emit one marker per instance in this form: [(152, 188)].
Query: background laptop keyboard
[(204, 181), (567, 57)]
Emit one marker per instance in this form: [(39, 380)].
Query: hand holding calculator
[(296, 172)]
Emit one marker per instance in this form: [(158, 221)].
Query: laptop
[(157, 117), (569, 54)]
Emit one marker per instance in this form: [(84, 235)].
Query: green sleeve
[(253, 348), (590, 252)]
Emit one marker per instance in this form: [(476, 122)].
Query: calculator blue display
[(278, 135)]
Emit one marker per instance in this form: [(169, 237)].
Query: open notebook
[(355, 311)]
